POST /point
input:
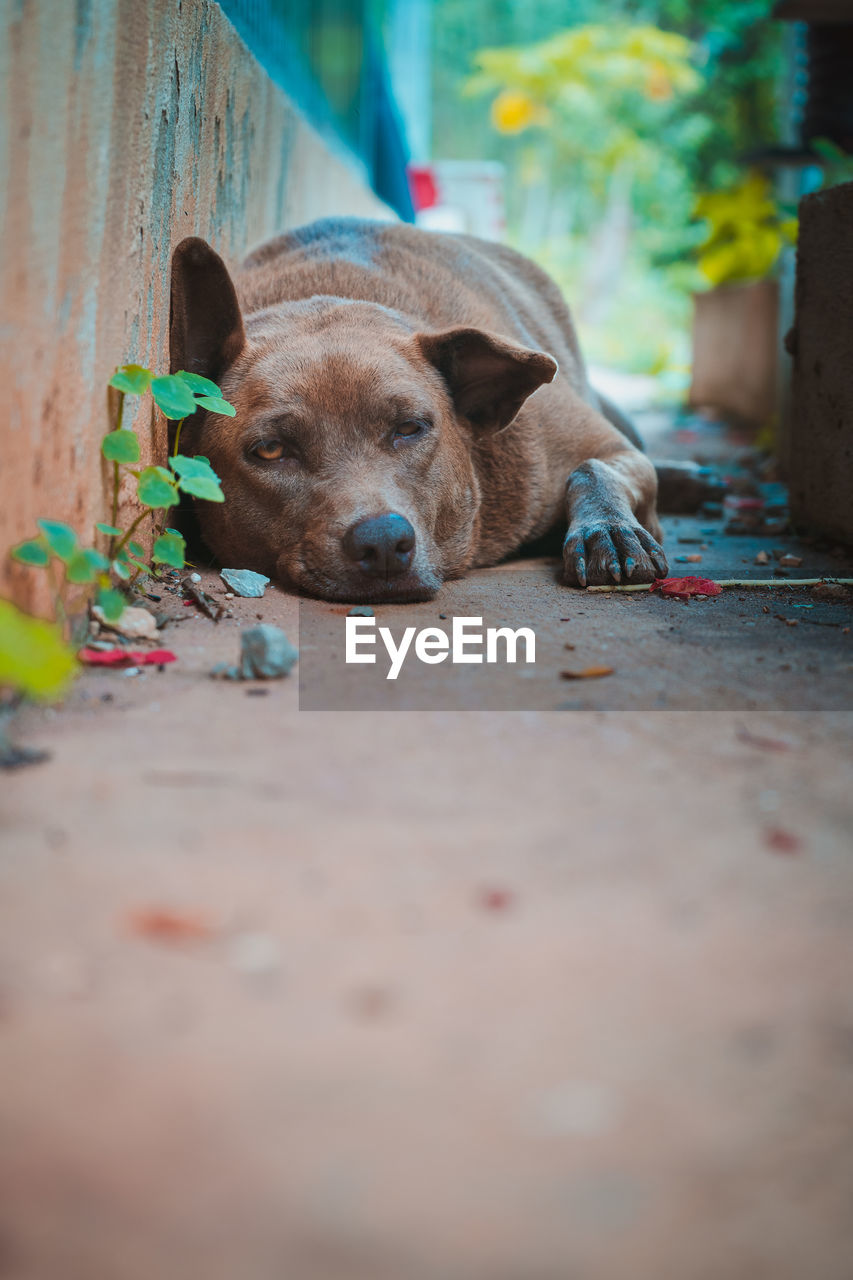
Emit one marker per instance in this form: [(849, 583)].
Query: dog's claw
[(598, 554)]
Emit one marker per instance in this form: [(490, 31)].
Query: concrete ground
[(549, 994)]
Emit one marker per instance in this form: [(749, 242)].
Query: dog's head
[(347, 470)]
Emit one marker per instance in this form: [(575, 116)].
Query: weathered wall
[(821, 449), (126, 125)]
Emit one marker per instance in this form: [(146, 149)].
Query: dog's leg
[(613, 532)]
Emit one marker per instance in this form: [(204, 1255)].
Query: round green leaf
[(173, 397), (197, 384), (169, 549), (109, 529), (61, 539), (132, 379), (32, 552), (121, 569), (196, 476), (34, 658), (156, 488), (135, 548), (85, 565), (215, 404), (120, 446), (112, 602)]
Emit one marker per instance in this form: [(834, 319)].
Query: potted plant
[(735, 322)]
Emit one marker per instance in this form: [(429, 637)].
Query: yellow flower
[(658, 83), (512, 111)]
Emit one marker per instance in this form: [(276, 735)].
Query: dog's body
[(387, 434)]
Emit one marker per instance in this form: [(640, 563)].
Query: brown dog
[(409, 405)]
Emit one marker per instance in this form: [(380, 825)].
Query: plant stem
[(119, 419), (137, 522), (181, 422), (734, 582), (58, 606)]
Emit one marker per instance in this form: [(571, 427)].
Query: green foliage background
[(696, 146)]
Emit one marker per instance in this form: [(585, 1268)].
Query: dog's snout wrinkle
[(382, 546)]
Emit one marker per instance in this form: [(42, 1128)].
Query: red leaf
[(683, 588), (126, 657)]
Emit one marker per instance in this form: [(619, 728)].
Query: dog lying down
[(410, 405)]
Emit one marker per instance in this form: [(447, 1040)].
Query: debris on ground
[(265, 654), (362, 611), (197, 595), (134, 623), (588, 673), (831, 591), (762, 557), (762, 742), (255, 955), (684, 588), (15, 757), (244, 582), (782, 841), (496, 899), (691, 559), (790, 562), (126, 657), (161, 924)]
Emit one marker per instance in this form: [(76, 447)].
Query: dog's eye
[(413, 427), (269, 450)]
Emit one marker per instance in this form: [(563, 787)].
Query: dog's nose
[(382, 546)]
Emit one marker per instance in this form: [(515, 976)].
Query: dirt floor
[(452, 994)]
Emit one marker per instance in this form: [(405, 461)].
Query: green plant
[(57, 549), (747, 232)]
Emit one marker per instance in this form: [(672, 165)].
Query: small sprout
[(120, 446), (169, 549), (32, 552), (132, 379), (156, 488), (173, 397), (197, 477), (61, 539)]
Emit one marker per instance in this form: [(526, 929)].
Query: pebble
[(361, 611), (195, 577), (229, 595), (135, 624), (244, 582)]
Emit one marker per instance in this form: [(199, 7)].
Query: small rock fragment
[(361, 611), (244, 582), (762, 557), (831, 591), (229, 595), (195, 577), (135, 624), (266, 653), (790, 562)]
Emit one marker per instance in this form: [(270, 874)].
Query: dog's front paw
[(596, 553)]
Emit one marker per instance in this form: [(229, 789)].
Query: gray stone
[(266, 653), (244, 582), (361, 611)]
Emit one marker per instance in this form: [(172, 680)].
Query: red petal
[(683, 588), (126, 657)]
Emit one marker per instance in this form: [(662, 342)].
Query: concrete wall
[(821, 445), (126, 125)]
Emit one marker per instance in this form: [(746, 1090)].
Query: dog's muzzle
[(382, 546)]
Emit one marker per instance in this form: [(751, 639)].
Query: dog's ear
[(206, 331), (489, 377)]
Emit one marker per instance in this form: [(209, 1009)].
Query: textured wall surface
[(125, 126), (821, 467)]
